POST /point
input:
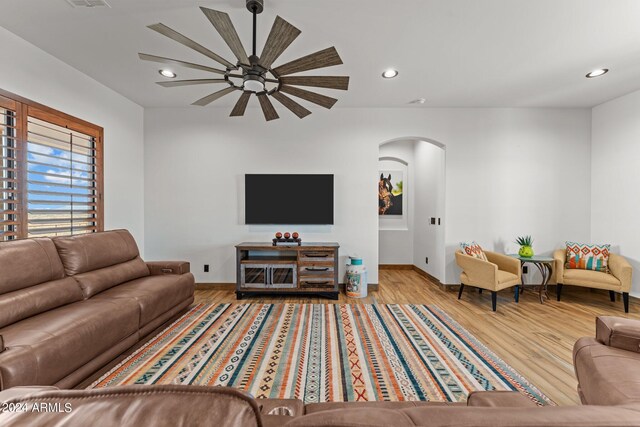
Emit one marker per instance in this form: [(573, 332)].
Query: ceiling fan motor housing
[(257, 4)]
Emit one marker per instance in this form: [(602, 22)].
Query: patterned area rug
[(321, 353)]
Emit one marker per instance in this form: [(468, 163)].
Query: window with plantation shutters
[(9, 186), (51, 172)]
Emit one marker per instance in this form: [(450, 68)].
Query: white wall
[(506, 174), (615, 157), (34, 74), (429, 202), (396, 232)]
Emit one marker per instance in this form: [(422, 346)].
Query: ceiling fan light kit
[(253, 74)]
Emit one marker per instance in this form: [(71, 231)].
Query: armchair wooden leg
[(612, 296), (460, 291), (625, 298), (494, 300), (517, 296), (558, 290)]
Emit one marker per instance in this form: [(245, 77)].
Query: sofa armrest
[(560, 257), (499, 399), (504, 262), (618, 332), (622, 270), (478, 271), (168, 267), (22, 391)]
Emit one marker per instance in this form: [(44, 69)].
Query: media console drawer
[(315, 269), (311, 256), (317, 282)]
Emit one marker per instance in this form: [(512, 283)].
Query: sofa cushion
[(24, 263), (587, 257), (45, 348), (154, 294), (96, 281), (88, 252), (592, 279), (23, 303)]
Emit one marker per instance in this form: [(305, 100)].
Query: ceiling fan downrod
[(255, 7)]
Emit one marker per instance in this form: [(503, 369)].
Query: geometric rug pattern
[(319, 353)]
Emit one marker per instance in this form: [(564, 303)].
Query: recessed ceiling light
[(389, 74), (167, 73), (418, 101), (597, 73)]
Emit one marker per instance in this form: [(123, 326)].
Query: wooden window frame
[(26, 108)]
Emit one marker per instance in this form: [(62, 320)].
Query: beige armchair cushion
[(619, 279), (591, 279), (498, 273)]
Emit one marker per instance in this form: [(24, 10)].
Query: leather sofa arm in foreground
[(618, 332), (157, 268)]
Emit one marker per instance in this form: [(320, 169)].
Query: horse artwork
[(390, 188)]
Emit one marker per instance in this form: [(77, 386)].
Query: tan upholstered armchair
[(619, 280), (499, 272)]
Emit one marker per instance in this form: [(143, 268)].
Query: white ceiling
[(454, 53)]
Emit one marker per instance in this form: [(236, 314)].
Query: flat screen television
[(288, 199)]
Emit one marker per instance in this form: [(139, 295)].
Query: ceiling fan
[(254, 75)]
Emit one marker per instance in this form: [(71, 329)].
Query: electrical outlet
[(206, 268), (426, 260), (433, 221), (525, 269)]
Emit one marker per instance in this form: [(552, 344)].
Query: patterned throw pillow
[(473, 249), (588, 257)]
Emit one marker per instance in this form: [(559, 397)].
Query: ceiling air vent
[(88, 3)]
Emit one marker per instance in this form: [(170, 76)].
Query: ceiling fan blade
[(176, 36), (320, 59), (176, 83), (162, 60), (241, 105), (267, 107), (224, 26), (292, 105), (331, 82), (281, 36), (316, 98), (217, 95)]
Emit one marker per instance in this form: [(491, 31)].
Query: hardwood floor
[(536, 339)]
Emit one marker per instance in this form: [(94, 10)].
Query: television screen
[(288, 199)]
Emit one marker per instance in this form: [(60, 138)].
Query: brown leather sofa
[(70, 305), (608, 370)]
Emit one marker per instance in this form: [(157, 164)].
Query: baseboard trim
[(396, 267), (218, 286), (232, 287)]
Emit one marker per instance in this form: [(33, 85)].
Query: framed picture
[(390, 189)]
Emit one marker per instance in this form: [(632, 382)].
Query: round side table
[(544, 265)]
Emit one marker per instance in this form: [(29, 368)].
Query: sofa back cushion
[(32, 280), (588, 257), (25, 263), (137, 406), (100, 261)]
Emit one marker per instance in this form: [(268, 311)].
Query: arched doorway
[(412, 204)]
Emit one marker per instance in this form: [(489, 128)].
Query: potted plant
[(525, 242)]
